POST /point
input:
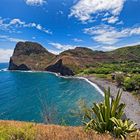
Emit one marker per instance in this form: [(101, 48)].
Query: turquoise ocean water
[(44, 97)]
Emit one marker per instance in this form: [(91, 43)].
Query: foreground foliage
[(107, 117), (122, 128), (26, 132), (11, 130)]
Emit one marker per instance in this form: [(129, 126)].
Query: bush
[(102, 116), (132, 84), (89, 71), (129, 84), (122, 128), (119, 79), (136, 70), (103, 70), (9, 132), (100, 70)]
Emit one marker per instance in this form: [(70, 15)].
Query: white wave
[(66, 77), (5, 69), (93, 84)]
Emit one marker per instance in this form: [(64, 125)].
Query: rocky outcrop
[(13, 66), (58, 67), (33, 56), (30, 56)]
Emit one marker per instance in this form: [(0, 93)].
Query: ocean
[(44, 97)]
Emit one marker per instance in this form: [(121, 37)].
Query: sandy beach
[(132, 110)]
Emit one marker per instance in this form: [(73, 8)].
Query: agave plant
[(122, 128), (101, 116)]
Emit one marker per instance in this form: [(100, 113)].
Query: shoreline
[(66, 77), (132, 109)]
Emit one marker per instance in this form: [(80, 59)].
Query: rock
[(13, 66), (58, 67), (30, 56), (33, 56)]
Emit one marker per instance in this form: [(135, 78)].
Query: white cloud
[(62, 46), (85, 10), (108, 48), (106, 34), (111, 20), (54, 51), (7, 38), (5, 54), (10, 25), (16, 21), (77, 40), (35, 2)]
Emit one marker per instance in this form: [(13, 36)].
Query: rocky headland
[(33, 56)]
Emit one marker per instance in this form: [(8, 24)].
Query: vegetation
[(50, 132), (125, 74), (107, 117), (132, 83), (122, 128), (108, 68), (14, 132)]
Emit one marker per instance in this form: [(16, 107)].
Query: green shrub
[(119, 79), (122, 128), (129, 84), (89, 71), (136, 70), (8, 132), (132, 84), (103, 70), (100, 116)]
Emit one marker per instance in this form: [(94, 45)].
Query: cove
[(44, 97)]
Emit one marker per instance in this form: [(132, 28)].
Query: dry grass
[(56, 132), (53, 132)]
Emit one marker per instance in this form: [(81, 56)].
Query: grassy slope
[(12, 130), (126, 53)]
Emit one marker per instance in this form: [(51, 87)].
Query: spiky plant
[(99, 117), (122, 128), (100, 114)]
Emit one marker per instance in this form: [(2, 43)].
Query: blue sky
[(64, 24)]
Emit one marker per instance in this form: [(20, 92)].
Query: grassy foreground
[(13, 130)]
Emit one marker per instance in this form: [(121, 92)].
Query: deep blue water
[(30, 96)]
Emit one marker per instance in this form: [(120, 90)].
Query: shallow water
[(31, 96)]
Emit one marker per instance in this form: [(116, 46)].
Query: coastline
[(58, 75), (132, 110)]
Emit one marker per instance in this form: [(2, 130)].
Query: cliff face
[(60, 68), (32, 56), (81, 58)]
